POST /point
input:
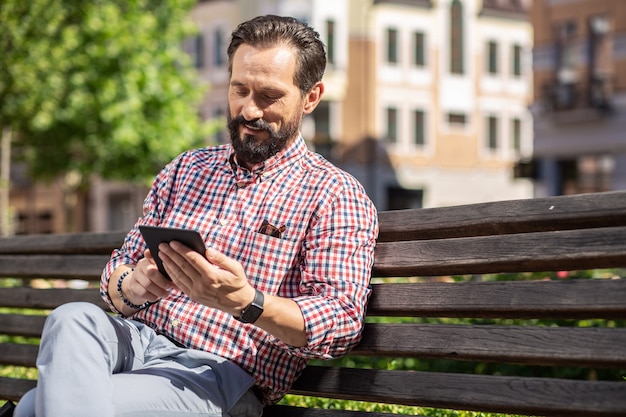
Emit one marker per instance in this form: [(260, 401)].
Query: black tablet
[(154, 235)]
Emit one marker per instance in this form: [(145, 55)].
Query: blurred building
[(426, 101), (580, 96)]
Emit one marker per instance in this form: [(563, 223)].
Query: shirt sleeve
[(155, 207), (335, 276)]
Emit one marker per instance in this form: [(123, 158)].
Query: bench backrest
[(419, 257)]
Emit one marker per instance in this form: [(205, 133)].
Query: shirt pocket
[(267, 260)]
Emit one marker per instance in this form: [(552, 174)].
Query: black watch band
[(253, 311)]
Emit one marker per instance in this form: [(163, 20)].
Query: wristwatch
[(253, 311)]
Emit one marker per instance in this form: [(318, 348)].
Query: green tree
[(98, 86)]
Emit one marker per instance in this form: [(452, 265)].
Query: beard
[(251, 150)]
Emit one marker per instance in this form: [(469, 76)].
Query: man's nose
[(250, 110)]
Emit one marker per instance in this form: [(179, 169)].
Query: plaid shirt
[(322, 260)]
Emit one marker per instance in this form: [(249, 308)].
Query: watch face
[(253, 311)]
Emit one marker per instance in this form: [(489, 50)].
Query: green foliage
[(99, 86), (330, 404)]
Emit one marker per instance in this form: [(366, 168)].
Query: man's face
[(265, 106)]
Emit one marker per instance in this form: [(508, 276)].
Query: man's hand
[(220, 282), (215, 281), (143, 284)]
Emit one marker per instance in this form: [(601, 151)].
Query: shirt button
[(241, 184), (174, 322), (223, 222)]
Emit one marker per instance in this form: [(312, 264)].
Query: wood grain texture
[(505, 217), (12, 389), (18, 354), (506, 299), (532, 345), (48, 298), (524, 395), (526, 252), (53, 266), (85, 243)]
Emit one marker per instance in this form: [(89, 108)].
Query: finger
[(191, 262), (177, 268), (150, 280), (224, 262)]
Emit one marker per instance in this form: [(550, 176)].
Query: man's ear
[(313, 98)]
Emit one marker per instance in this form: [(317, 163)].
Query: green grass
[(331, 404)]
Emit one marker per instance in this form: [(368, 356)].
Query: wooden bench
[(419, 251)]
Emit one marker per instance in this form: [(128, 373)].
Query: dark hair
[(269, 31)]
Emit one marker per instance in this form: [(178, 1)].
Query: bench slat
[(12, 389), (70, 243), (597, 298), (502, 217), (559, 346), (18, 354), (53, 266), (520, 299), (21, 325), (566, 346), (525, 395), (23, 297), (526, 252)]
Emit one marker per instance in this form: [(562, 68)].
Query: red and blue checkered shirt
[(322, 260)]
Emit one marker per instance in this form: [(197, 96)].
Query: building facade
[(426, 102), (580, 96), (445, 87)]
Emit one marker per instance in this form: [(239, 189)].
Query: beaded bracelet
[(124, 299)]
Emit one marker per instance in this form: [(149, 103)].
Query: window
[(492, 57), (34, 222), (600, 61), (330, 41), (322, 138), (418, 128), (392, 46), (400, 198), (218, 49), (587, 174), (121, 213), (456, 38), (492, 132), (321, 116), (419, 53), (566, 54), (199, 51), (220, 135), (458, 119), (392, 124), (516, 131), (516, 65)]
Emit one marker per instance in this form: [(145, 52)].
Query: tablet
[(155, 235)]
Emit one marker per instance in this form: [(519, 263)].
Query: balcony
[(579, 101)]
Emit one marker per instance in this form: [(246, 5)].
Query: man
[(290, 242)]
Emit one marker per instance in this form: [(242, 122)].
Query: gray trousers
[(92, 364)]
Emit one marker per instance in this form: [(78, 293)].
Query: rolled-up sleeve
[(335, 276)]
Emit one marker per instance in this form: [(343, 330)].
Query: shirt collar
[(271, 166)]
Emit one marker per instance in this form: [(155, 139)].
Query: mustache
[(256, 123)]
